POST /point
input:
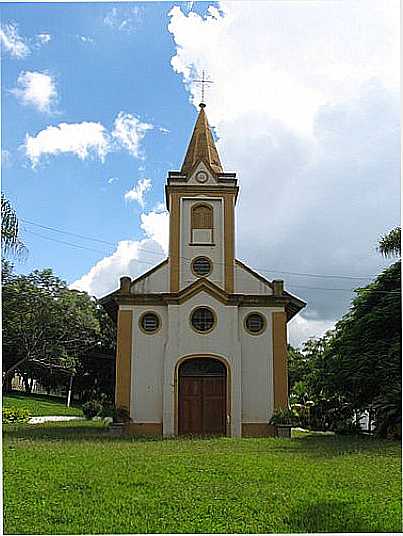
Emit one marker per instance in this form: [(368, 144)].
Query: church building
[(201, 337)]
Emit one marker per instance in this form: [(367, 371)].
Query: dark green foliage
[(51, 332), (44, 323), (92, 408), (390, 244), (357, 366), (283, 416), (15, 415)]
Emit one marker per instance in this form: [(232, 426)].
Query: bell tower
[(201, 200)]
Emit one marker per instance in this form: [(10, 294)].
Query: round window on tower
[(203, 320), (255, 323), (201, 176), (201, 266), (150, 323)]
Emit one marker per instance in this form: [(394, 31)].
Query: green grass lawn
[(39, 405), (72, 478)]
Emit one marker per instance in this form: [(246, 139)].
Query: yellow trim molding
[(229, 242), (174, 242), (123, 361), (280, 357), (147, 429), (257, 429)]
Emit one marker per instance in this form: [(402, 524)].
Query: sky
[(99, 102)]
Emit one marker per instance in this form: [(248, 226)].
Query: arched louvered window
[(202, 223)]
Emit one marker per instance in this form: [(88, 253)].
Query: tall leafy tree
[(357, 366), (45, 324)]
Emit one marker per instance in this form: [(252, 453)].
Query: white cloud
[(85, 139), (299, 56), (12, 42), (129, 131), (81, 139), (155, 225), (298, 113), (137, 192), (43, 38), (36, 89), (124, 18), (131, 258), (300, 329), (111, 180), (86, 39)]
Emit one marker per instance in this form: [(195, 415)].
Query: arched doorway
[(202, 397)]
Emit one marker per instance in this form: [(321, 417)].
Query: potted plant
[(283, 419)]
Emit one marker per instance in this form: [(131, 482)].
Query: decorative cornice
[(292, 305)]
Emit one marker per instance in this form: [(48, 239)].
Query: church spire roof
[(201, 147)]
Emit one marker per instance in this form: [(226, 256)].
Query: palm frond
[(11, 243)]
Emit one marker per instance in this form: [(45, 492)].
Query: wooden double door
[(202, 397)]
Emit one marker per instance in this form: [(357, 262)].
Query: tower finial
[(203, 81)]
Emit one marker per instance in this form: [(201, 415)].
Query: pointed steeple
[(201, 147)]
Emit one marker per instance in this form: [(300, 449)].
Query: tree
[(390, 244), (357, 366), (45, 325), (11, 242)]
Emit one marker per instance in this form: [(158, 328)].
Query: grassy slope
[(39, 405), (76, 479)]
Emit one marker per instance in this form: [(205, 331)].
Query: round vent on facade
[(255, 323), (150, 323), (201, 266)]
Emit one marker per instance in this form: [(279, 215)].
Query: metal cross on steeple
[(203, 81)]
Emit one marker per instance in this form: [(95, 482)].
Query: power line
[(396, 292), (265, 270), (79, 246)]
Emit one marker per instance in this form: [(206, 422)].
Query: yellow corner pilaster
[(229, 242), (280, 358), (123, 361), (174, 242)]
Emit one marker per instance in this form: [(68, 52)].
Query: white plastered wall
[(247, 283), (183, 341), (257, 367), (214, 252), (147, 367), (155, 282)]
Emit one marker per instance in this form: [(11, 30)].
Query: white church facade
[(201, 338)]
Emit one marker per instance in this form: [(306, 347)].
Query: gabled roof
[(201, 147), (291, 303)]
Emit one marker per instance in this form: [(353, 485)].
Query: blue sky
[(98, 71), (98, 104)]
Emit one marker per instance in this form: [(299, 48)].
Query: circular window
[(201, 266), (255, 323), (203, 319), (150, 322), (201, 176)]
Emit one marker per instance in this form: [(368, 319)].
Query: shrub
[(92, 408), (283, 416), (109, 411), (15, 415)]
